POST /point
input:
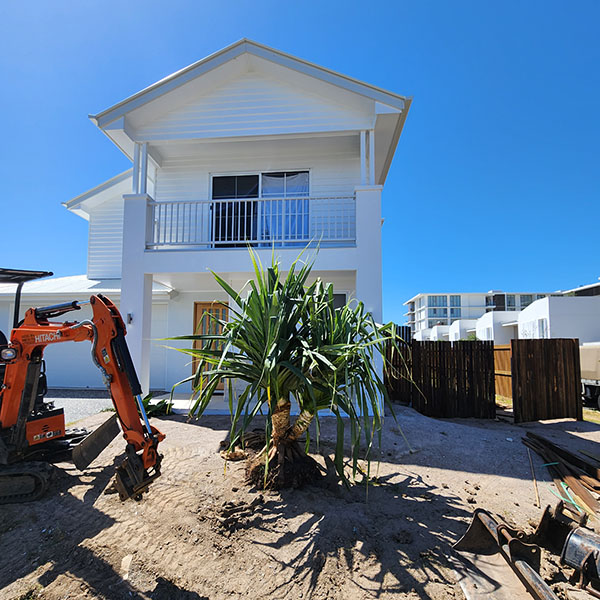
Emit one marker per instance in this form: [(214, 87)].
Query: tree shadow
[(377, 533), (65, 522)]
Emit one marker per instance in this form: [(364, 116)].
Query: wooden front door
[(204, 324)]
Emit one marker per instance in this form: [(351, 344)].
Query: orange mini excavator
[(32, 431)]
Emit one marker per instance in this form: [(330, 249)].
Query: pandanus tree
[(285, 341)]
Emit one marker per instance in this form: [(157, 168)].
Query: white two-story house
[(247, 146)]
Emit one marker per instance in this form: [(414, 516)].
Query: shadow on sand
[(62, 537)]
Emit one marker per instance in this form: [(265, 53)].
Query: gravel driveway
[(79, 404)]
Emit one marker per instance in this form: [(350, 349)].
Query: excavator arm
[(26, 424)]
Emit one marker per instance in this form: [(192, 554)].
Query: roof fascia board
[(219, 58), (73, 203), (169, 83), (327, 75), (396, 137)]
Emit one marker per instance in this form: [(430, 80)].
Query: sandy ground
[(323, 542)]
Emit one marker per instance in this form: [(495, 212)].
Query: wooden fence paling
[(546, 379), (397, 375), (452, 380)]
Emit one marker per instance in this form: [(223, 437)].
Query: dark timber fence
[(455, 380), (461, 379), (546, 379), (441, 379), (397, 375)]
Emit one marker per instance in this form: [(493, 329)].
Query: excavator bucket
[(91, 446), (495, 563), (131, 479)]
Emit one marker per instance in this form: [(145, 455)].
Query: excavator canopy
[(19, 277)]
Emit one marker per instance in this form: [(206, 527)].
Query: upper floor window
[(455, 300), (526, 300), (284, 185), (510, 301), (437, 301), (283, 215)]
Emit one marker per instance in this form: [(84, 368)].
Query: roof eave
[(395, 139)]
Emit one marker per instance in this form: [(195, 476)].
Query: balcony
[(260, 222)]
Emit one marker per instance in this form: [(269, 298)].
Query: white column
[(363, 158), (135, 187), (368, 242), (371, 157), (136, 285), (143, 168)]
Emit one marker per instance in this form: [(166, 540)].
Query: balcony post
[(363, 157), (136, 285), (140, 168), (368, 244), (371, 157)]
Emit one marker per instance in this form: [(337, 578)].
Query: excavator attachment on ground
[(32, 430)]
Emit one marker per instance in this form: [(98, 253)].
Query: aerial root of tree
[(289, 467)]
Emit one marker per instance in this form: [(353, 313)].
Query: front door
[(204, 324)]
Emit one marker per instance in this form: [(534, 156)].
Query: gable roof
[(217, 59)]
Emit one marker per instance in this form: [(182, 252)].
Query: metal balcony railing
[(279, 222)]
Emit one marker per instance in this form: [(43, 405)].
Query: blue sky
[(496, 180)]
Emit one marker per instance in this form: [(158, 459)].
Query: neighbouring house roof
[(75, 285), (589, 286), (233, 51)]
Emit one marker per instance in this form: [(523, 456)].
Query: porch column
[(368, 243), (136, 286)]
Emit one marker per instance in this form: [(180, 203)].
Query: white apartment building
[(426, 311)]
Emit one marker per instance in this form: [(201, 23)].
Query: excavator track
[(24, 482)]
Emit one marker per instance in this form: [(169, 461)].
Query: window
[(434, 322), (339, 300), (455, 300), (455, 313), (234, 221), (540, 296), (283, 215), (285, 218), (437, 301), (510, 302), (526, 300), (438, 312)]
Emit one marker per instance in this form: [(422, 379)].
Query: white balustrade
[(279, 222)]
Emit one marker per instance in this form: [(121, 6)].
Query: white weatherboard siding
[(253, 104), (333, 162), (105, 247)]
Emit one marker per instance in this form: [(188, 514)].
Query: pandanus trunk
[(285, 464)]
